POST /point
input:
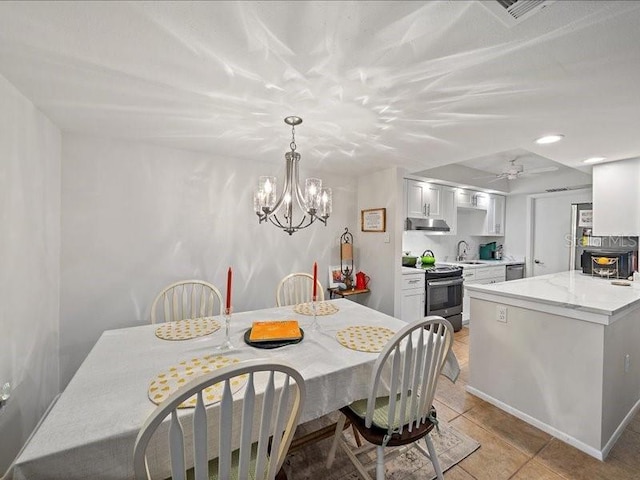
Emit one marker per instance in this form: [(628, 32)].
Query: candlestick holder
[(226, 345), (315, 326)]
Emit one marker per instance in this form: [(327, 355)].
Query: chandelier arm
[(296, 181), (285, 189)]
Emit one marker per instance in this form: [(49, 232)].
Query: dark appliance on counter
[(608, 264), (444, 293), (488, 251), (582, 240)]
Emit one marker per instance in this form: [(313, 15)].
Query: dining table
[(91, 429)]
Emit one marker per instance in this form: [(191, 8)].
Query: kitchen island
[(561, 352)]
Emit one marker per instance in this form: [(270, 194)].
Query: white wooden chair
[(186, 299), (297, 288), (399, 411), (276, 416)]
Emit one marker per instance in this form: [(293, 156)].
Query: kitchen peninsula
[(561, 352)]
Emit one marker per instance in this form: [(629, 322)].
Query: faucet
[(462, 256)]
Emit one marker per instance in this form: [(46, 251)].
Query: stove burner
[(443, 271)]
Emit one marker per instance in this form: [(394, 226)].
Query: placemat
[(322, 308), (364, 338), (186, 329), (165, 383)]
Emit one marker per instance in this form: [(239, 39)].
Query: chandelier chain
[(293, 139)]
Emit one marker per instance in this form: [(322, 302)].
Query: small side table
[(345, 293)]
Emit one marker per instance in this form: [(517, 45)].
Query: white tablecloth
[(90, 432)]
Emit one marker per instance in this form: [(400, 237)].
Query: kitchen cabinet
[(616, 198), (449, 209), (472, 199), (495, 215), (413, 296), (479, 275), (423, 199)]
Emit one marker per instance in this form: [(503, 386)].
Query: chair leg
[(336, 439), (433, 457), (356, 435), (379, 462)]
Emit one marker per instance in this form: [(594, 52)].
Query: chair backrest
[(271, 417), (186, 299), (412, 360), (297, 288)]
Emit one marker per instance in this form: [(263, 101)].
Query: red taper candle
[(315, 281), (228, 305)]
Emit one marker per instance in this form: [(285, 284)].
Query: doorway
[(549, 246)]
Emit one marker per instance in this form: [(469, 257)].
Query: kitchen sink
[(472, 262)]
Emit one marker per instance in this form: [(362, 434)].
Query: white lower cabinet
[(479, 275), (413, 296)]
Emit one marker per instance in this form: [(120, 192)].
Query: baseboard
[(618, 431), (574, 442)]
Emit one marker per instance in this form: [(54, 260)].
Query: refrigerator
[(581, 237)]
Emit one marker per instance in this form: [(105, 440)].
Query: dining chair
[(271, 418), (399, 409), (297, 288), (186, 299)]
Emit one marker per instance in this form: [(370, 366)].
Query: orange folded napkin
[(275, 330)]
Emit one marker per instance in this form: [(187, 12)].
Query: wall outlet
[(627, 363), (501, 311)]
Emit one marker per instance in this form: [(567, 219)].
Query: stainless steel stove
[(443, 271), (444, 293)]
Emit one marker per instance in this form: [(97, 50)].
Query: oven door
[(444, 297)]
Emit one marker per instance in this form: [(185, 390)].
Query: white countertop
[(484, 263), (412, 271), (569, 290)]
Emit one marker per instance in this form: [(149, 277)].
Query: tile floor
[(512, 449)]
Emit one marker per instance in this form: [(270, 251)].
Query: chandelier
[(315, 201)]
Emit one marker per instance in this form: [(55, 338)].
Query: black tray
[(274, 344)]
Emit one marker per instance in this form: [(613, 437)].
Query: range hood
[(430, 224)]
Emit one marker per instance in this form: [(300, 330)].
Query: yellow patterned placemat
[(322, 308), (364, 338), (186, 329), (165, 383)]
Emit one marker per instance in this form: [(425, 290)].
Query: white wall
[(381, 259), (515, 234), (137, 217), (29, 266)]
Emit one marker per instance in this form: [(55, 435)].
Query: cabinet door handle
[(428, 209), (414, 281), (424, 209)]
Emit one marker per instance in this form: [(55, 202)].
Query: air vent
[(512, 12), (561, 189)]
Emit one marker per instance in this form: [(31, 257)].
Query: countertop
[(568, 290), (485, 263)]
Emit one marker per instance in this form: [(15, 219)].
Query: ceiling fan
[(511, 171)]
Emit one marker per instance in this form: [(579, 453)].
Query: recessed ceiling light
[(550, 139), (594, 159)]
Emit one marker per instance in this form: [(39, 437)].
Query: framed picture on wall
[(374, 220)]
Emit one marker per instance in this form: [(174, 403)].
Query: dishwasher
[(515, 271)]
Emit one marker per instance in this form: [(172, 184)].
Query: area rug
[(308, 463)]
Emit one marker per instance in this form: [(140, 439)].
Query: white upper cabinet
[(449, 208), (495, 215), (423, 199), (616, 198), (472, 199)]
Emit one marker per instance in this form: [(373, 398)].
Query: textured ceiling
[(417, 84)]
